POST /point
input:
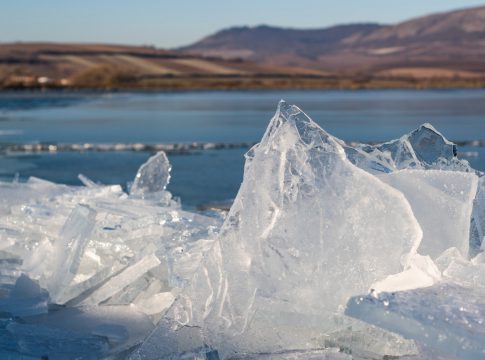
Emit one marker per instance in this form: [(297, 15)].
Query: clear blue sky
[(167, 23)]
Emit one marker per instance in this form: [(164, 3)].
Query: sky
[(169, 24)]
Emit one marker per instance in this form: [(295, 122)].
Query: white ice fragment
[(447, 257), (5, 240), (467, 274), (79, 288), (86, 181), (14, 194), (442, 202), (152, 177), (122, 279), (38, 264), (156, 303), (459, 270), (420, 273), (69, 249)]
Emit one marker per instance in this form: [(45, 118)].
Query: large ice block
[(442, 202), (307, 230), (423, 149)]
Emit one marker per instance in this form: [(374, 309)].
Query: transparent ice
[(329, 251), (271, 265)]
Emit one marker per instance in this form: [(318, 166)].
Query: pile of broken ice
[(328, 252)]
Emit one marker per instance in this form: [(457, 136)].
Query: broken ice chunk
[(423, 148), (419, 149), (308, 229), (122, 279), (69, 249), (76, 289), (153, 176), (155, 304), (421, 272), (457, 269), (445, 317), (429, 145), (447, 257), (477, 226), (153, 300), (34, 189), (442, 202), (86, 181)]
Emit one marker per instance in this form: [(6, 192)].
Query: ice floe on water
[(329, 251)]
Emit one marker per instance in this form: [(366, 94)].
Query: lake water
[(226, 117)]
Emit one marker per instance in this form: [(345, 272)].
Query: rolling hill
[(444, 44)]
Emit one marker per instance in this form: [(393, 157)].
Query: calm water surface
[(228, 117)]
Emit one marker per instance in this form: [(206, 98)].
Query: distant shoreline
[(261, 83), (28, 66)]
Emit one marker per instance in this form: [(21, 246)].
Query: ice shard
[(477, 226), (69, 249), (152, 177), (122, 279), (307, 230)]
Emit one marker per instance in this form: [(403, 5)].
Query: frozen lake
[(222, 117)]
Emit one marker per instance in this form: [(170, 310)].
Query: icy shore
[(329, 251)]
